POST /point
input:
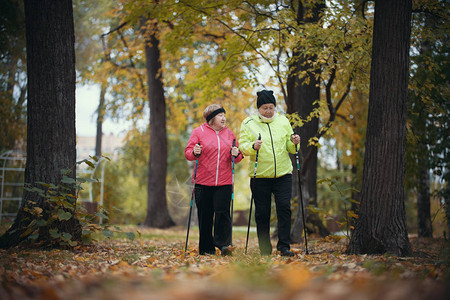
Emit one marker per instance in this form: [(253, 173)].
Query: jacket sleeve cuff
[(291, 147)]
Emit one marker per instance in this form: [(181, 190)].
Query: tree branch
[(333, 112), (131, 66)]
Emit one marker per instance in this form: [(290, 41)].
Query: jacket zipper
[(273, 151), (218, 157)]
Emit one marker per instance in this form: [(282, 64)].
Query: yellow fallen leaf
[(114, 268), (294, 277), (123, 264)]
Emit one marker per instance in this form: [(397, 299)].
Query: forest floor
[(154, 266)]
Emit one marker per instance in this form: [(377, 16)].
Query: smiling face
[(218, 122), (267, 110)]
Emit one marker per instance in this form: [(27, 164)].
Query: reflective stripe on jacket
[(273, 159), (215, 162)]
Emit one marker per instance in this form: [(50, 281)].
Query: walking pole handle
[(256, 159)]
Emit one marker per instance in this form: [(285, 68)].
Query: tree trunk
[(425, 228), (354, 207), (51, 108), (381, 226), (302, 93), (446, 197), (157, 211), (100, 119)]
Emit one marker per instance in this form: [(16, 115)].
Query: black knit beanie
[(265, 97)]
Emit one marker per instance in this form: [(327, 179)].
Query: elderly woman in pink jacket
[(212, 144)]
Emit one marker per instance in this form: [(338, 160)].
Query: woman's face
[(267, 110), (218, 122)]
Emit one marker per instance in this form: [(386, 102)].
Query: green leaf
[(319, 181), (353, 190), (91, 180), (54, 233), (86, 239), (28, 189), (130, 235), (101, 215), (81, 179), (86, 232), (65, 171), (63, 215), (90, 164), (108, 233), (34, 236), (41, 223), (68, 180), (73, 243), (116, 209), (66, 236)]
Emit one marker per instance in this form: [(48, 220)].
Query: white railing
[(90, 172), (13, 163)]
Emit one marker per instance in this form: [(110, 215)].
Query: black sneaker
[(287, 252), (226, 250), (207, 252)]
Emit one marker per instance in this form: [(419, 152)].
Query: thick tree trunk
[(100, 119), (381, 226), (51, 144), (157, 211), (302, 93)]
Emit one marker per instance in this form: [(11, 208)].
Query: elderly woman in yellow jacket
[(274, 172)]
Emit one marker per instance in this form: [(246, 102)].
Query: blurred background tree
[(314, 54)]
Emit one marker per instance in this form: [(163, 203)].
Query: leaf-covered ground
[(154, 266)]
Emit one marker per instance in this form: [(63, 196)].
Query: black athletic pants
[(213, 205), (262, 189)]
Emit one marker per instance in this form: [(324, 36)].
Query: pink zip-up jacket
[(215, 162)]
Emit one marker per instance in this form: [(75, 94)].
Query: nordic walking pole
[(251, 199), (192, 203), (232, 195), (301, 199)]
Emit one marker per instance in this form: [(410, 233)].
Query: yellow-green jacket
[(273, 159)]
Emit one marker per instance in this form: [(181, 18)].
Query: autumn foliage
[(155, 266)]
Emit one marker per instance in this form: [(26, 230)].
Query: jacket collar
[(207, 126), (261, 119)]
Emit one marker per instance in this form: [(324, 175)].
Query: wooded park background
[(364, 83)]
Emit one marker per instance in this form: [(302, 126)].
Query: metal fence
[(12, 170)]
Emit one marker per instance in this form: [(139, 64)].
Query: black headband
[(214, 113)]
